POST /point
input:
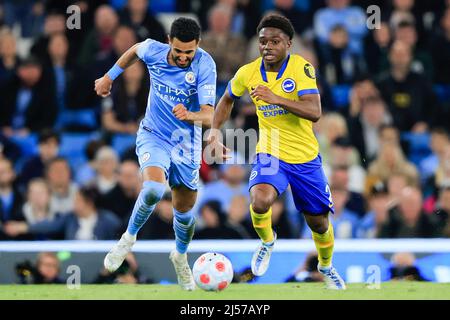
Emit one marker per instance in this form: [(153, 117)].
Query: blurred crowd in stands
[(67, 164)]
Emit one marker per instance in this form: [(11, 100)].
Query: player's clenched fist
[(265, 94), (181, 113), (103, 86)]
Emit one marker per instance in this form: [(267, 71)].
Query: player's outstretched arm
[(103, 85)]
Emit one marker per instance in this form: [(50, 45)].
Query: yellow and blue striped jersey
[(281, 133)]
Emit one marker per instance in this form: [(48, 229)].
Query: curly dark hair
[(185, 30), (279, 22)]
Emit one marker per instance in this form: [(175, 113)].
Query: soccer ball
[(212, 271)]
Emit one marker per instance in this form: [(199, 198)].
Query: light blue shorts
[(153, 151)]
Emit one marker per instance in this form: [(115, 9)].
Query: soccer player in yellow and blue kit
[(283, 88)]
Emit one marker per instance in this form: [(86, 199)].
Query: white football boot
[(184, 273), (332, 278), (118, 253), (261, 257)]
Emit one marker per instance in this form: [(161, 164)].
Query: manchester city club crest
[(190, 77), (288, 85)]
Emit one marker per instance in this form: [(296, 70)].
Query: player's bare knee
[(261, 204)]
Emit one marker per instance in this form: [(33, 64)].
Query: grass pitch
[(286, 291)]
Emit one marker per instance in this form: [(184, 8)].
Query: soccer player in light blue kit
[(169, 140)]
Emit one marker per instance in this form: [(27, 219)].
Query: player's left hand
[(181, 113), (263, 93)]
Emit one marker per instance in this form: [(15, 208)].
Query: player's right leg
[(154, 160), (152, 191), (266, 182)]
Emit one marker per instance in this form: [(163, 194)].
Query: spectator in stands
[(388, 133), (10, 198), (307, 272), (120, 199), (395, 185), (9, 60), (232, 183), (227, 49), (421, 61), (86, 172), (60, 73), (404, 10), (106, 165), (344, 155), (46, 270), (38, 206), (137, 16), (160, 224), (239, 217), (363, 89), (59, 178), (376, 48), (29, 14), (338, 12), (122, 111), (404, 268), (364, 129), (407, 219), (338, 63), (440, 140), (409, 95), (373, 221), (340, 179), (343, 220), (100, 39), (215, 225), (55, 23), (128, 273), (440, 50), (86, 222), (27, 102), (48, 148), (390, 160), (330, 127)]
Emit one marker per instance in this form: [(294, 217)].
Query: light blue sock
[(184, 225), (149, 196)]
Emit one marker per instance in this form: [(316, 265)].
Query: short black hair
[(185, 30), (91, 194), (48, 134), (279, 22)]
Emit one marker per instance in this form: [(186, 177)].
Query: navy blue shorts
[(307, 180)]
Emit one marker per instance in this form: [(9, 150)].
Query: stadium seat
[(340, 94), (155, 5), (73, 145), (122, 142), (83, 119), (28, 144), (418, 146)]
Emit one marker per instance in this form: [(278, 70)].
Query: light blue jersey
[(163, 140)]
